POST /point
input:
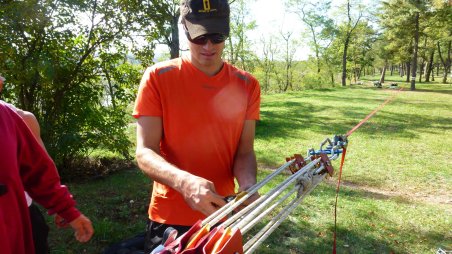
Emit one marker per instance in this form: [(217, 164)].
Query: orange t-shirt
[(203, 118)]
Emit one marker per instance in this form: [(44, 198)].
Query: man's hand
[(248, 201), (200, 195), (83, 228), (251, 199)]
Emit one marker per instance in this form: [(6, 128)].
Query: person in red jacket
[(25, 166), (38, 224)]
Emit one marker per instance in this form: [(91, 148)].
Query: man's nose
[(208, 45)]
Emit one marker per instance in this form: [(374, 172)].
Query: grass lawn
[(396, 195)]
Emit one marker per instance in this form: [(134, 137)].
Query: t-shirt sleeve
[(148, 101), (254, 101)]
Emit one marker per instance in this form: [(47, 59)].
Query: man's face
[(206, 55), (1, 83)]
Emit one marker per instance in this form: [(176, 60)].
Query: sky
[(271, 18)]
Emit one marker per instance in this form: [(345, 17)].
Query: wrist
[(70, 214), (181, 182), (245, 187)]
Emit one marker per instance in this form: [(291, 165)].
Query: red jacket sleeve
[(40, 177)]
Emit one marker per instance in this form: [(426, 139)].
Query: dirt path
[(435, 199), (444, 198)]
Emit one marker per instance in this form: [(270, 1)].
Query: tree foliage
[(412, 31), (321, 27), (164, 17), (238, 49), (67, 62)]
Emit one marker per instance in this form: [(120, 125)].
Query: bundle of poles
[(222, 231)]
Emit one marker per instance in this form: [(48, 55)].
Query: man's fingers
[(83, 228), (217, 200), (251, 199), (211, 204), (84, 233)]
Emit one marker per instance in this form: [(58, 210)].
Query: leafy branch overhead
[(70, 63)]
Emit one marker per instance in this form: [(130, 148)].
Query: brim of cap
[(209, 26)]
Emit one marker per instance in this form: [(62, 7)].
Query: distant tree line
[(350, 40)]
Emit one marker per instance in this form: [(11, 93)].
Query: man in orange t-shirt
[(195, 125)]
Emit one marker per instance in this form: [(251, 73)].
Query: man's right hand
[(200, 195)]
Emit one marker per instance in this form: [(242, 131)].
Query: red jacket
[(24, 165)]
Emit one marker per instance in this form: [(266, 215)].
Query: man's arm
[(198, 192), (32, 124), (245, 166), (41, 180), (81, 225)]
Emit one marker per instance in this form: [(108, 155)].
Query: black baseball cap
[(201, 17)]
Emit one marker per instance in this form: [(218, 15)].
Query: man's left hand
[(83, 228)]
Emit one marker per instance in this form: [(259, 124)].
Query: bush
[(83, 168)]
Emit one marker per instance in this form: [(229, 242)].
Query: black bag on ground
[(134, 245)]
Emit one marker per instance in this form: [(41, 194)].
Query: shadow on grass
[(305, 237), (291, 115), (440, 91), (402, 125), (355, 190), (369, 228), (282, 119)]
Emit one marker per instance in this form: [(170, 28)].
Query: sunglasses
[(202, 40)]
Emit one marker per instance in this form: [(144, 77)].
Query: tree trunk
[(346, 42), (344, 62), (446, 62), (401, 70), (174, 45), (110, 89), (383, 72), (231, 51), (408, 68), (429, 66), (433, 73), (421, 71), (415, 49)]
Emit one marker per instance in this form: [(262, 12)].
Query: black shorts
[(154, 234), (40, 230)]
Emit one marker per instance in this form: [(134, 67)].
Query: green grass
[(398, 164), (117, 206), (397, 184)]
